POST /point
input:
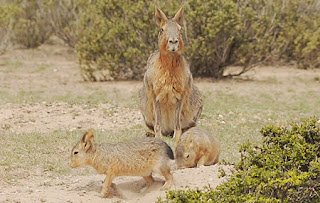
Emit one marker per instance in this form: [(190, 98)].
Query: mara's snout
[(173, 45)]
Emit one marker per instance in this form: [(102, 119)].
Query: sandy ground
[(87, 188), (46, 117), (59, 76)]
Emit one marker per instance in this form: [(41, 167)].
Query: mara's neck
[(170, 60), (92, 156)]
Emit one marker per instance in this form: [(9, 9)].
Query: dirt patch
[(43, 117), (87, 188)]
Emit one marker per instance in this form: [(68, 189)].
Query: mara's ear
[(161, 18), (179, 16), (87, 139)]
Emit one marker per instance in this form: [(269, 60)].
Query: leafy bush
[(285, 168), (31, 27), (218, 33), (64, 17), (117, 39), (7, 13), (248, 33), (212, 27)]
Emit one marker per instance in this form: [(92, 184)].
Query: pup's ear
[(87, 139), (189, 140)]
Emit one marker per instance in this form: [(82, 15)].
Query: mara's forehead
[(172, 27)]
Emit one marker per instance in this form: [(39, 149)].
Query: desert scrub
[(115, 38), (31, 25), (64, 17), (285, 168), (7, 13), (248, 33)]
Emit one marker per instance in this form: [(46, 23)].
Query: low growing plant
[(285, 168)]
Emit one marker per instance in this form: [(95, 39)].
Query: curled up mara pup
[(169, 101), (197, 147), (139, 157)]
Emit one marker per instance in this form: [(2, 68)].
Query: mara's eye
[(187, 156), (75, 153)]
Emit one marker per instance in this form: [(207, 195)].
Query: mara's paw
[(106, 195)]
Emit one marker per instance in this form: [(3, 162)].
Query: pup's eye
[(75, 153), (161, 30)]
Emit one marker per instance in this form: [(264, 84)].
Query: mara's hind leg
[(177, 128), (150, 126), (197, 116), (157, 128), (165, 171), (150, 134)]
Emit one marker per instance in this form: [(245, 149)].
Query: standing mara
[(169, 101)]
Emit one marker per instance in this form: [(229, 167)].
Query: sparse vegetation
[(31, 27), (7, 13)]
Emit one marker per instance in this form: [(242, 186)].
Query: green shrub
[(31, 27), (212, 27), (249, 33), (64, 17), (307, 44), (116, 39), (7, 13), (285, 168), (297, 25)]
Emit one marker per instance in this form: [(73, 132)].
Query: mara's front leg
[(157, 127), (177, 126), (106, 186)]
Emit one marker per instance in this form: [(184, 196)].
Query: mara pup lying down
[(197, 147), (139, 157)]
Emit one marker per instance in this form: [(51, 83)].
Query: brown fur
[(168, 100), (140, 157), (198, 147)]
